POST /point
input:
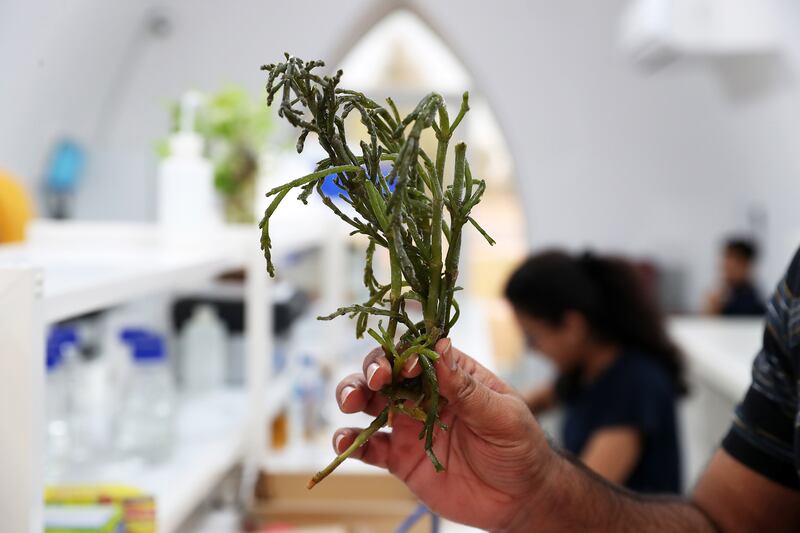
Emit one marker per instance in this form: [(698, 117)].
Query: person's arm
[(739, 499), (729, 498), (541, 400), (714, 302), (613, 452)]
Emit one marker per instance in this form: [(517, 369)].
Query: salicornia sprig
[(411, 211)]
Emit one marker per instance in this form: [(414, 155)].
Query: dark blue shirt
[(743, 300), (634, 392)]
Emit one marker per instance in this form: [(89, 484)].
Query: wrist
[(540, 504)]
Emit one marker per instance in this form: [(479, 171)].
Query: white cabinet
[(67, 269)]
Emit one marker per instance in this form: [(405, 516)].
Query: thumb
[(467, 396)]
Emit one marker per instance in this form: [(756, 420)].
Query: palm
[(477, 486)]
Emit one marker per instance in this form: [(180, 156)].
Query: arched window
[(402, 57)]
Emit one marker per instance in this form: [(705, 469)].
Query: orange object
[(16, 209)]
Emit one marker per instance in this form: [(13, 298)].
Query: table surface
[(720, 350)]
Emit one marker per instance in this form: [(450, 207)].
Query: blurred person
[(737, 294), (502, 474), (619, 374)]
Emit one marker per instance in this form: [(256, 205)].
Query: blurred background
[(183, 385)]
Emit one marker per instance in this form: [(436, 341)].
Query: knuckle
[(467, 390)]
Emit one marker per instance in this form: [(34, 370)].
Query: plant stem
[(395, 295), (435, 271), (362, 438)]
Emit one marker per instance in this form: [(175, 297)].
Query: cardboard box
[(367, 503)]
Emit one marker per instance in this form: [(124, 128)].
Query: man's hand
[(494, 453), (502, 474)]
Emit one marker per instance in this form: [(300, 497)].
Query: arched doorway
[(402, 57)]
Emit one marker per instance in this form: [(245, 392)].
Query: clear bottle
[(146, 418), (56, 410), (89, 399), (305, 411), (203, 352)]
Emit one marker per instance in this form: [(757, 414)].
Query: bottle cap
[(148, 349), (58, 337), (129, 335), (63, 334), (54, 356)]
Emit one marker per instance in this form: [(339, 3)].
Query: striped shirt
[(765, 435)]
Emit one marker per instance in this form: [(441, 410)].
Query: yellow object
[(138, 508), (15, 209)]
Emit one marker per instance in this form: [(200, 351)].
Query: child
[(619, 374), (738, 295)]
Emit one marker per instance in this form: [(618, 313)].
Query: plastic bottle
[(203, 352), (57, 410), (187, 200), (91, 397), (146, 418), (84, 383), (305, 414)]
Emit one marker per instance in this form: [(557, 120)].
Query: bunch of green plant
[(413, 212), (235, 127)]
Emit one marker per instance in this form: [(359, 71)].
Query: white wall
[(660, 165)]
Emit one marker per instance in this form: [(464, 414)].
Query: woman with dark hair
[(619, 374)]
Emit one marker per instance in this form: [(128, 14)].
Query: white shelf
[(309, 458), (720, 351), (86, 267), (209, 443)]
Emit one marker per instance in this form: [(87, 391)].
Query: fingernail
[(448, 354), (411, 364), (371, 371), (346, 392), (338, 441)]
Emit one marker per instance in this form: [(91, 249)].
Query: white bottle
[(187, 201), (146, 419), (203, 352)]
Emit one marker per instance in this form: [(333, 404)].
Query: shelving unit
[(69, 269), (209, 443)]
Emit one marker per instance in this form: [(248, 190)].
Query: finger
[(375, 451), (412, 368), (353, 396), (377, 370), (468, 396)]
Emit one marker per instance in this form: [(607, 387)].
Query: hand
[(494, 452), (714, 301)]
